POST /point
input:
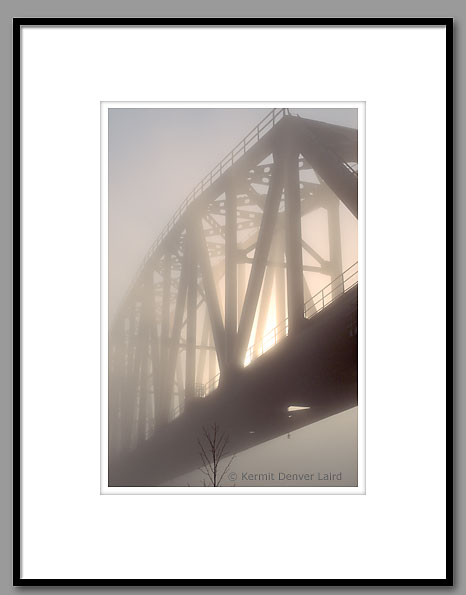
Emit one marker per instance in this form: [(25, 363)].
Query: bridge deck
[(316, 367)]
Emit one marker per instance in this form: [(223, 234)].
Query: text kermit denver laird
[(282, 476)]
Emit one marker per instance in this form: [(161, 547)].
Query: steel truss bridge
[(222, 324)]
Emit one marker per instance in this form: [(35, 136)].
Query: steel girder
[(157, 343)]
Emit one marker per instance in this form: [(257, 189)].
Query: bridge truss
[(232, 273)]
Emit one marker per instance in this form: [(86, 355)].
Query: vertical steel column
[(163, 406), (133, 392), (116, 387), (112, 396), (294, 253), (280, 283), (200, 373), (334, 236), (126, 401), (142, 409), (241, 282), (144, 338), (180, 386), (212, 362), (231, 283), (275, 272), (191, 315), (155, 363), (176, 328)]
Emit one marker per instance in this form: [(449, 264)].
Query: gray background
[(213, 8)]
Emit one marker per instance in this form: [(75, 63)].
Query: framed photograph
[(197, 393), (228, 237)]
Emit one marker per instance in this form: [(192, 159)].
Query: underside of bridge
[(234, 316)]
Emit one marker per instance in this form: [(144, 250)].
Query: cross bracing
[(232, 273)]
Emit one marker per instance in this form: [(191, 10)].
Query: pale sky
[(156, 157)]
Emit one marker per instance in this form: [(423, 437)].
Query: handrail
[(265, 125), (346, 280)]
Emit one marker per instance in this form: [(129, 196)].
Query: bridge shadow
[(316, 368)]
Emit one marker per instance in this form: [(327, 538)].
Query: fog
[(156, 157), (321, 454)]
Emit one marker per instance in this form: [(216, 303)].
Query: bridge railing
[(313, 306), (258, 132), (320, 300), (331, 291)]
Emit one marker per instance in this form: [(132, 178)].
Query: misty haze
[(232, 297)]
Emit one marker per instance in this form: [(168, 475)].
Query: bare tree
[(212, 446)]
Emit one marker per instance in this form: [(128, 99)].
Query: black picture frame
[(18, 23)]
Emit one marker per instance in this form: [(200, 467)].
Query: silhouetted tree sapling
[(212, 446)]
